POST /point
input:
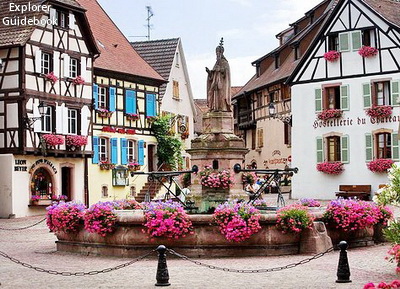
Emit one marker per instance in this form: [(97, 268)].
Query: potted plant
[(330, 168), (132, 116), (379, 111), (75, 142), (367, 51), (52, 140), (133, 166), (167, 219), (294, 219), (237, 221), (65, 217), (332, 55), (106, 165), (380, 165), (78, 80), (51, 77), (35, 199), (216, 179), (103, 112), (329, 114), (100, 218)]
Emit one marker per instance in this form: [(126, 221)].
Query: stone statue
[(219, 83)]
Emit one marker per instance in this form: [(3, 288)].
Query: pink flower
[(53, 139), (330, 113), (332, 168), (379, 111), (78, 80), (50, 76), (332, 55), (380, 165), (367, 51), (75, 140)]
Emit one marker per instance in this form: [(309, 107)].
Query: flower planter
[(105, 114), (330, 168), (380, 165), (332, 56), (107, 166), (379, 111), (330, 114), (73, 148), (367, 51), (355, 238), (132, 117)]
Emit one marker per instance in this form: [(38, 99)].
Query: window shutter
[(59, 119), (114, 150), (53, 15), (66, 65), (356, 40), (96, 96), (83, 67), (344, 97), (65, 119), (395, 85), (318, 100), (344, 143), (124, 151), (56, 63), (344, 43), (38, 61), (71, 21), (367, 95), (112, 99), (395, 146), (150, 105), (130, 101), (320, 150), (95, 159), (85, 120), (369, 149), (141, 152), (37, 125)]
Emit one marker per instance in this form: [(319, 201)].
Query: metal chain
[(95, 272), (23, 228), (304, 261)]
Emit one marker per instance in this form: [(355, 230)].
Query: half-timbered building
[(46, 56), (345, 100), (126, 99)]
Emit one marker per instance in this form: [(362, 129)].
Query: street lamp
[(42, 107), (273, 114)]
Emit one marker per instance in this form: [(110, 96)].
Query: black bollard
[(162, 269), (343, 270)]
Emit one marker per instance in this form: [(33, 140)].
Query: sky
[(247, 26)]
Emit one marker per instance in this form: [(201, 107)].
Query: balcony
[(246, 119)]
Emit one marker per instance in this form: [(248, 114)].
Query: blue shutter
[(124, 151), (151, 105), (141, 152), (96, 96), (95, 141), (130, 101), (112, 99), (114, 150)]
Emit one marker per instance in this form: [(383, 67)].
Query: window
[(131, 151), (72, 121), (368, 37), (332, 97), (73, 67), (296, 52), (381, 93), (383, 145), (253, 139), (277, 61), (62, 19), (104, 191), (259, 99), (175, 89), (333, 148), (260, 138), (287, 134), (177, 59), (102, 97), (46, 63), (333, 42), (47, 120), (103, 149)]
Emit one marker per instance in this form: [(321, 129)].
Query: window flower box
[(367, 51), (330, 168), (380, 165), (329, 114), (78, 80), (108, 129), (379, 111), (332, 56), (132, 116), (75, 142), (105, 165), (52, 140), (133, 167), (184, 135), (103, 112), (51, 77)]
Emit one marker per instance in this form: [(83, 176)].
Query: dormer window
[(333, 42)]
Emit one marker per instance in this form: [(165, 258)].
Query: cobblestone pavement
[(36, 246)]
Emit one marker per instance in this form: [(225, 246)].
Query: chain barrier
[(304, 261), (23, 228), (95, 272)]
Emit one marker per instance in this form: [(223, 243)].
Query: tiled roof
[(388, 9), (116, 53), (159, 54), (16, 34)]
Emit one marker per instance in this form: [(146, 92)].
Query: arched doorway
[(41, 184)]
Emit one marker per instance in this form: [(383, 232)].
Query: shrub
[(294, 218), (392, 232), (215, 179), (237, 221), (64, 217), (380, 165), (330, 168), (351, 214), (390, 194), (100, 218), (167, 219)]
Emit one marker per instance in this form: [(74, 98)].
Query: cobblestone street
[(36, 246)]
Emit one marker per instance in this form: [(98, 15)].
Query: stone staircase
[(152, 187)]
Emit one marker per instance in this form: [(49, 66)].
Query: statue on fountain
[(219, 83)]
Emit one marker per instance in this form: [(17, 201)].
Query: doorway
[(66, 180), (150, 157)]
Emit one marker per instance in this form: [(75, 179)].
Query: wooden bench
[(362, 192)]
